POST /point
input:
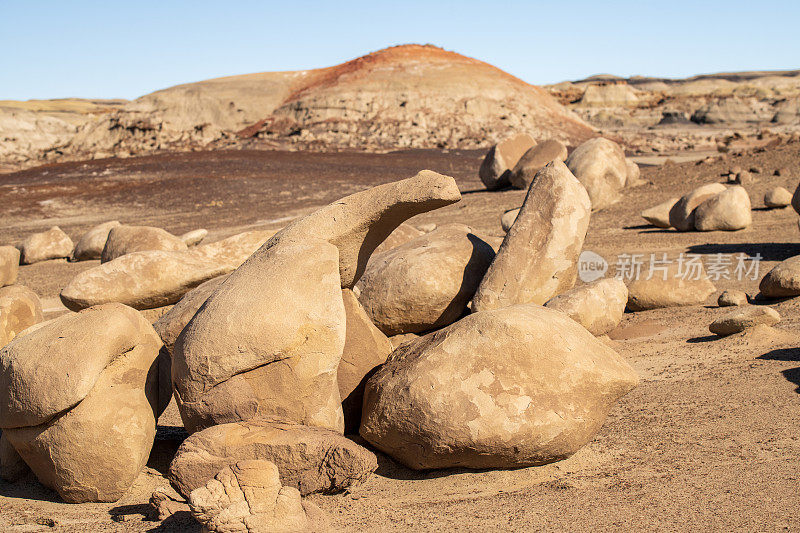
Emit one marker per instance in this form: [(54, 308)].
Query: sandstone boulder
[(496, 167), (426, 283), (79, 400), (20, 308), (538, 257), (194, 237), (534, 159), (671, 285), (728, 211), (128, 239), (9, 265), (508, 218), (308, 459), (50, 244), (513, 387), (681, 216), (730, 298), (248, 497), (783, 280), (598, 306), (404, 233), (12, 467), (365, 348), (796, 199), (777, 197), (633, 176), (741, 319), (599, 164), (147, 280), (658, 215), (91, 244)]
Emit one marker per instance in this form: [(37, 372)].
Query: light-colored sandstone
[(426, 283), (598, 306), (538, 257), (194, 237), (730, 298), (9, 265), (508, 218), (681, 216), (50, 244), (633, 176), (501, 158), (308, 459), (20, 308), (658, 215), (533, 160), (401, 235), (777, 197), (669, 285), (518, 386), (91, 244), (743, 318), (599, 164), (128, 239), (783, 280), (728, 211)]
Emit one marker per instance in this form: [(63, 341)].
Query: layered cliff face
[(416, 97)]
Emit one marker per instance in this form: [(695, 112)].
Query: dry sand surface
[(708, 441)]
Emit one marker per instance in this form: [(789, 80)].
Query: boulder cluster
[(711, 207), (440, 349)]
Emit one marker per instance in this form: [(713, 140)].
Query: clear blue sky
[(106, 49)]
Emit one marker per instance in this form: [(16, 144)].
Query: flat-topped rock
[(744, 318)]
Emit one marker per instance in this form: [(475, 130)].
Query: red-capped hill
[(415, 96)]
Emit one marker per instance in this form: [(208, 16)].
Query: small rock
[(671, 287), (659, 215), (741, 319), (777, 197), (598, 306), (783, 280), (165, 502), (743, 178), (727, 211), (20, 308), (128, 239), (91, 244), (755, 170), (681, 216), (534, 159), (427, 228), (496, 167), (194, 237), (508, 218), (9, 265), (50, 244), (730, 298)]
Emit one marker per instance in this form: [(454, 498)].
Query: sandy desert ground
[(707, 441)]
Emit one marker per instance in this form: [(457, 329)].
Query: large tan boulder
[(538, 257), (20, 308), (658, 215), (50, 244), (401, 235), (598, 306), (365, 349), (151, 279), (91, 244), (279, 349), (777, 197), (308, 459), (727, 211), (513, 387), (128, 239), (501, 158), (358, 223), (599, 164), (534, 159), (669, 285), (79, 401), (783, 280), (741, 319), (681, 216), (248, 497), (9, 265), (426, 283)]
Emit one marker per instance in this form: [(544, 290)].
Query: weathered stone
[(128, 239), (743, 178), (508, 218), (79, 400), (358, 223), (777, 197), (518, 386), (404, 233), (796, 199), (496, 167), (147, 280), (743, 318), (12, 467), (308, 459), (365, 348), (248, 497), (599, 164), (669, 285), (426, 283), (598, 306), (165, 502), (399, 340), (9, 265), (194, 237), (783, 280), (538, 257), (681, 216), (91, 244), (727, 211), (633, 176), (533, 160), (50, 244), (20, 308), (659, 215), (730, 298), (280, 347)]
